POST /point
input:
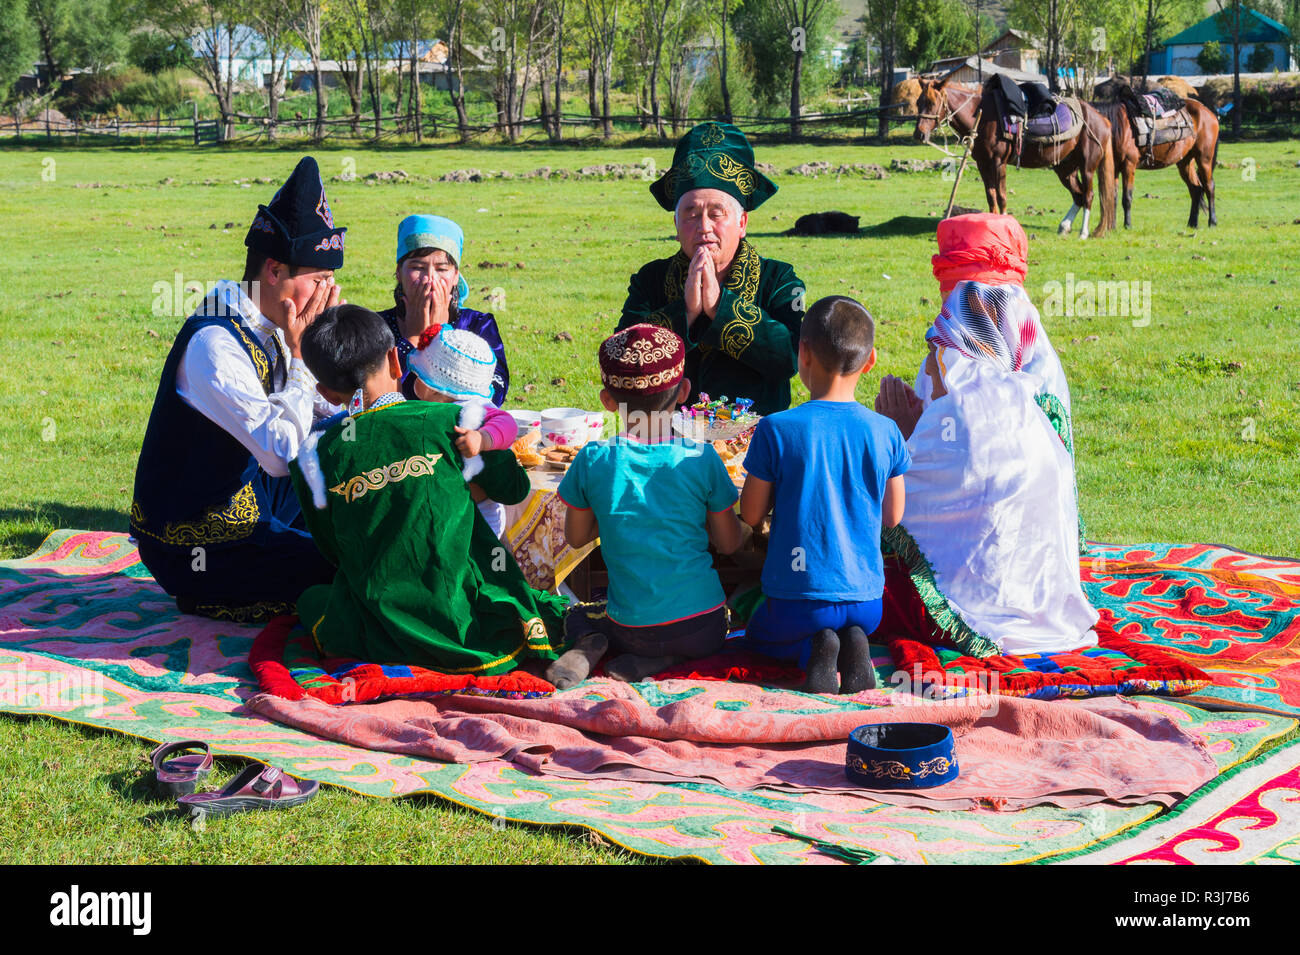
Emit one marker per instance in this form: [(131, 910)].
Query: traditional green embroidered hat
[(714, 156)]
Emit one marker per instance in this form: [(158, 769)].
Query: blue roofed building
[(1177, 56)]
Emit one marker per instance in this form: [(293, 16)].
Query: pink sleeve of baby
[(500, 427)]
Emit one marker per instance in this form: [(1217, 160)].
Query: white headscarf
[(999, 323), (990, 527)]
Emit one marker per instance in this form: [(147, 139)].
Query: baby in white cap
[(451, 365)]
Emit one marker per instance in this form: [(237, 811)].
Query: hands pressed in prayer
[(429, 305), (898, 402), (471, 444), (326, 295), (702, 289)]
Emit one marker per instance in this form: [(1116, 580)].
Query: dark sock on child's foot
[(857, 673), (820, 677), (575, 665), (631, 668)]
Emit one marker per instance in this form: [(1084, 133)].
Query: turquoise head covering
[(433, 232)]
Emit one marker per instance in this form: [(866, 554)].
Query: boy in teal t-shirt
[(655, 500)]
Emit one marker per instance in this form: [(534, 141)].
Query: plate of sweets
[(716, 420), (733, 456)]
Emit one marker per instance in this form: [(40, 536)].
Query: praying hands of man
[(430, 304), (897, 401), (702, 288), (325, 295)]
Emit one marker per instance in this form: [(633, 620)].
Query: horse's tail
[(1106, 183)]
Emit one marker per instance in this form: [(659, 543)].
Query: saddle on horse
[(1167, 129), (1031, 111), (1159, 116)]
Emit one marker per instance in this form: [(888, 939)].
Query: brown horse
[(1075, 160), (1195, 155)]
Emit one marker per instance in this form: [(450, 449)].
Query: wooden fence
[(245, 128)]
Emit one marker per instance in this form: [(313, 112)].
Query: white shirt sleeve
[(321, 407), (217, 379)]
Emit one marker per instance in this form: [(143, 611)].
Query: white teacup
[(567, 426), (527, 420), (529, 424)]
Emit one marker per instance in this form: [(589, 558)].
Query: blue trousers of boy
[(784, 628)]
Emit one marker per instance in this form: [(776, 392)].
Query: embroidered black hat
[(297, 227), (714, 156)]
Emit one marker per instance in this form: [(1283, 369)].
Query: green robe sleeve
[(503, 479), (764, 336), (644, 293)]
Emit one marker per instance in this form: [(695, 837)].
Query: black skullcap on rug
[(297, 228)]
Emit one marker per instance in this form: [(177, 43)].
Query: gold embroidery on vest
[(659, 317), (260, 363), (744, 274), (355, 488), (738, 334), (741, 279), (235, 521), (675, 277)]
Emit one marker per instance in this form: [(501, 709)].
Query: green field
[(1185, 413)]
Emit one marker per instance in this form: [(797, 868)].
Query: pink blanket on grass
[(1012, 753)]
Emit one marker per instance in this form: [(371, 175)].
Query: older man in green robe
[(738, 313)]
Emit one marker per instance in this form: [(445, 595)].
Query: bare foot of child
[(856, 670), (820, 676), (631, 668), (575, 665)]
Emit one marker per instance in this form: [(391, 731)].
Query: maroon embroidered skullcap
[(645, 359)]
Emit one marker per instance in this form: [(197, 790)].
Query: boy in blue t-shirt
[(655, 500), (831, 473)]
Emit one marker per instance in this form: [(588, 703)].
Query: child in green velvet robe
[(421, 579)]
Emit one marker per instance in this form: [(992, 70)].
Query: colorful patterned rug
[(286, 663), (1114, 666), (87, 637), (1248, 816), (1233, 614)]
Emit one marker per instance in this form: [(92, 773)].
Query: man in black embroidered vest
[(739, 314), (214, 512)]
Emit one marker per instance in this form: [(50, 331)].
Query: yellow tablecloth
[(535, 533)]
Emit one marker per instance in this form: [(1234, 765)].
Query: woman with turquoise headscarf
[(431, 291)]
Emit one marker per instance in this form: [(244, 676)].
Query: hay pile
[(906, 92), (1280, 94)]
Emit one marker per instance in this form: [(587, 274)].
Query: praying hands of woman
[(702, 289), (897, 401), (428, 303)]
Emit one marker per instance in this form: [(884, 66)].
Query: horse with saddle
[(1025, 124), (1155, 128)]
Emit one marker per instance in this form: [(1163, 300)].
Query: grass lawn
[(1185, 412)]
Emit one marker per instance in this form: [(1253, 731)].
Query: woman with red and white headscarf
[(986, 558)]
